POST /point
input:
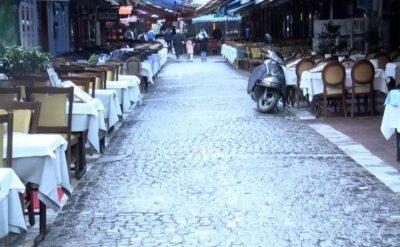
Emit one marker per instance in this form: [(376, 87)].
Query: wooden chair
[(54, 119), (333, 76), (86, 81), (371, 54), (348, 63), (26, 114), (25, 119), (304, 64), (362, 74), (9, 120), (133, 67), (58, 62), (317, 58), (6, 119), (10, 94), (383, 60), (355, 52)]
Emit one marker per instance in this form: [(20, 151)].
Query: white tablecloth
[(3, 77), (11, 215), (312, 84), (112, 109), (134, 87), (40, 159), (123, 92), (147, 71), (290, 76), (393, 70), (163, 55), (229, 53), (89, 117), (357, 57)]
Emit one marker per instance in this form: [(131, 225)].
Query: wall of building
[(9, 28)]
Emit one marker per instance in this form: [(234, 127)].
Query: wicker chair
[(10, 94), (333, 76), (362, 74), (304, 64), (256, 57)]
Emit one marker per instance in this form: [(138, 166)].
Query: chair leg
[(344, 105), (325, 107), (30, 209), (352, 105), (42, 223), (372, 103)]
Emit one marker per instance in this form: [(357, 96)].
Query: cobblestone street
[(196, 165)]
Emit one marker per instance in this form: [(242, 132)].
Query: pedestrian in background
[(190, 49), (151, 35), (168, 38), (177, 42), (203, 40)]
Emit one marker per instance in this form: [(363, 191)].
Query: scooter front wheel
[(268, 101)]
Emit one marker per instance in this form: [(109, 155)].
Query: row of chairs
[(43, 111), (333, 77)]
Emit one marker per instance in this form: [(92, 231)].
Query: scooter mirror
[(268, 39)]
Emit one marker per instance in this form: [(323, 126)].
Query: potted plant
[(21, 61)]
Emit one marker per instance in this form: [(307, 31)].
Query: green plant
[(21, 61), (93, 58)]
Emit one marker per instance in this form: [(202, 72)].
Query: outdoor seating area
[(51, 121)]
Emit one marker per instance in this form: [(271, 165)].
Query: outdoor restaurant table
[(311, 82), (11, 214), (40, 159), (393, 70), (154, 60), (357, 57), (89, 117), (147, 71), (111, 104), (134, 87), (163, 56), (3, 77), (123, 92), (391, 116)]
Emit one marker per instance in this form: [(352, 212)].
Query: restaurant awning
[(212, 18), (242, 7)]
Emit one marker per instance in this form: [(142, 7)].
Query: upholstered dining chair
[(362, 75), (26, 114), (10, 93), (333, 77), (256, 56), (304, 64), (54, 118), (6, 120)]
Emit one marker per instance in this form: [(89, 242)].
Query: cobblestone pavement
[(196, 165)]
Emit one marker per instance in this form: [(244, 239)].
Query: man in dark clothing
[(168, 38), (217, 33), (177, 42)]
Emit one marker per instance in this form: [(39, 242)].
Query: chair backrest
[(348, 63), (58, 62), (6, 119), (256, 53), (10, 94), (133, 66), (334, 75), (354, 52), (363, 72), (26, 114), (317, 58), (383, 60), (56, 108), (304, 64), (371, 55)]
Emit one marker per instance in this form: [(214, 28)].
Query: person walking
[(168, 38), (190, 49), (177, 42), (203, 40), (151, 35)]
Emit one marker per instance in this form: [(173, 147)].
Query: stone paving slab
[(200, 167)]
